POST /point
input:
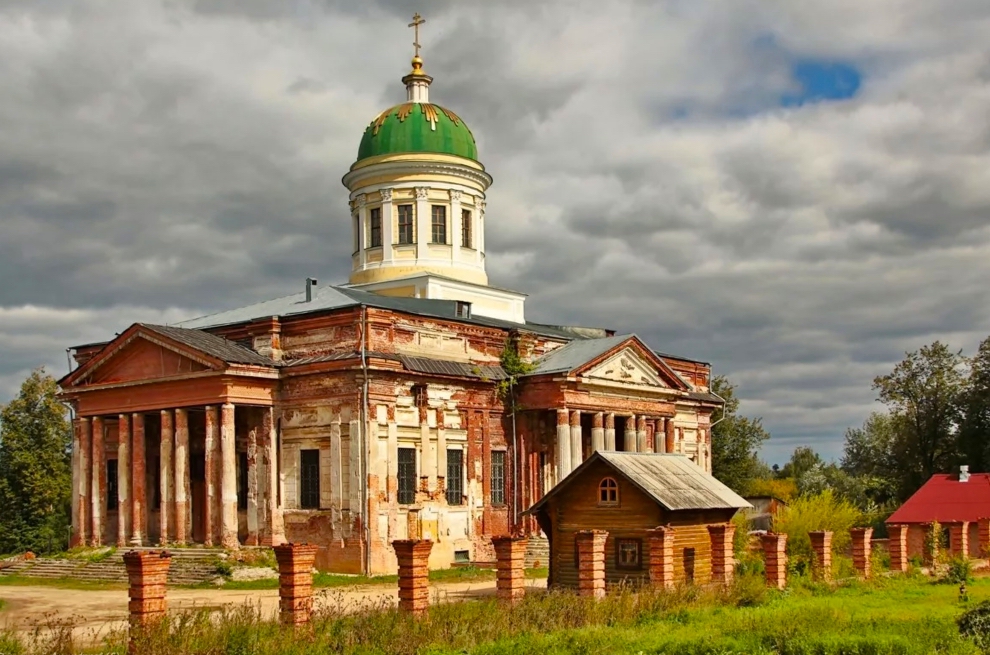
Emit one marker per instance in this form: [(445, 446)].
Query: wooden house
[(627, 494)]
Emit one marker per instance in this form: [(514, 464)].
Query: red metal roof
[(947, 500)]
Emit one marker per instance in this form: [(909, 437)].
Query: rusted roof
[(456, 369), (211, 344), (673, 481)]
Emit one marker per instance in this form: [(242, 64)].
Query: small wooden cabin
[(627, 494)]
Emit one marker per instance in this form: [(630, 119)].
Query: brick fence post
[(861, 550), (147, 574), (591, 562), (983, 536), (295, 582), (897, 543), (723, 556), (414, 574), (821, 544), (510, 558), (661, 542), (959, 539), (775, 559)]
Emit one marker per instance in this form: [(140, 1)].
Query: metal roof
[(947, 500), (212, 345), (574, 354), (457, 369), (673, 481)]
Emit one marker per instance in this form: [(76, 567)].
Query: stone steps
[(537, 552), (189, 566)]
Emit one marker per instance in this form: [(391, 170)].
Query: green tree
[(736, 441), (974, 433), (35, 470), (924, 392), (870, 456), (803, 460)]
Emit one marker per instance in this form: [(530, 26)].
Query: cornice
[(353, 179)]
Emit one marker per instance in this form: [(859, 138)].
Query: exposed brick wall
[(821, 545)]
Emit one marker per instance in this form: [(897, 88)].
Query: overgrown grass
[(60, 583), (332, 580)]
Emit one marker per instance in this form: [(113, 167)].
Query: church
[(414, 399)]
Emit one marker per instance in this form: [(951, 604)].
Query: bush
[(822, 511), (975, 624), (957, 571), (223, 567)]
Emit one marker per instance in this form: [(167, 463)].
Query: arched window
[(608, 492)]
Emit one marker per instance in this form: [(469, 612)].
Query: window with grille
[(628, 554), (407, 476), (111, 484), (375, 221), (406, 224), (439, 224), (608, 492), (498, 477), (455, 476), (309, 479), (466, 228), (420, 395)]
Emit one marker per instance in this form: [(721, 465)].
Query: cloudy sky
[(797, 192)]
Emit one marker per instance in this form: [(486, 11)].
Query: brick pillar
[(668, 439), (861, 550), (414, 574), (661, 543), (959, 539), (629, 435), (98, 495), (897, 543), (123, 478), (821, 544), (598, 432), (139, 493), (775, 559), (295, 582), (983, 536), (591, 562), (147, 572), (252, 487), (211, 446), (228, 479), (563, 444), (641, 434), (510, 558), (183, 516), (577, 450), (723, 556), (166, 477), (610, 431), (81, 482), (273, 528)]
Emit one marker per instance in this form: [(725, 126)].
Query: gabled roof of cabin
[(673, 481), (946, 499)]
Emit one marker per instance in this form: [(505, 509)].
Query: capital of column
[(576, 418)]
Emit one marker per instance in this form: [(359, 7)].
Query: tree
[(736, 441), (974, 433), (870, 456), (35, 469), (925, 391), (803, 460)]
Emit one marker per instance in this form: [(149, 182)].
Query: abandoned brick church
[(333, 415)]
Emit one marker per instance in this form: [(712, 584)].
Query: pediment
[(139, 357), (629, 367)]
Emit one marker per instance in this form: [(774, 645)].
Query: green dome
[(418, 127)]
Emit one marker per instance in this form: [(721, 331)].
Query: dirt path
[(93, 613)]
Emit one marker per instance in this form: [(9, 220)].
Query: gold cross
[(417, 21)]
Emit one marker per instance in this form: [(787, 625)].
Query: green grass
[(2, 603), (333, 580), (59, 583)]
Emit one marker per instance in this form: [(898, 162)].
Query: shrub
[(822, 511), (975, 624), (223, 567), (957, 571), (784, 489)]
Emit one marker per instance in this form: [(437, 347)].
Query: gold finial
[(417, 21)]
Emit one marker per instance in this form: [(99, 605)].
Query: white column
[(629, 435), (428, 449), (166, 472), (422, 219), (563, 444), (273, 531), (123, 478), (610, 431), (388, 222), (641, 434), (228, 478), (98, 478), (455, 225), (252, 486), (211, 446), (183, 517), (362, 228), (577, 449), (479, 228), (598, 432)]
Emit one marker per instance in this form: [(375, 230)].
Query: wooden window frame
[(375, 227), (407, 225), (438, 224), (625, 541), (307, 495), (466, 229), (605, 489)]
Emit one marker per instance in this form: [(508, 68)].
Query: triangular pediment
[(626, 366)]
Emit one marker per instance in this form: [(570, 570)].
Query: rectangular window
[(407, 476), (406, 224), (455, 475), (466, 228), (309, 479), (242, 481), (439, 224), (357, 233), (376, 227), (628, 554), (111, 484), (498, 477)]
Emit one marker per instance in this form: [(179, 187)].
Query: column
[(861, 550), (563, 444), (228, 478), (959, 539), (362, 228), (147, 573), (640, 434), (98, 500), (668, 439), (252, 486), (422, 219), (273, 528), (414, 574), (629, 437), (591, 562), (661, 544), (80, 482), (598, 432), (479, 228), (897, 545), (139, 481), (723, 556), (821, 545), (183, 517), (775, 559), (123, 478), (510, 561), (455, 225), (295, 582), (659, 435), (610, 431), (166, 477), (577, 450), (212, 443), (388, 220)]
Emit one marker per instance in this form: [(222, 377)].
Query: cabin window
[(628, 554), (608, 492)]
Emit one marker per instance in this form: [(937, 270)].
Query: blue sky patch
[(822, 80)]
